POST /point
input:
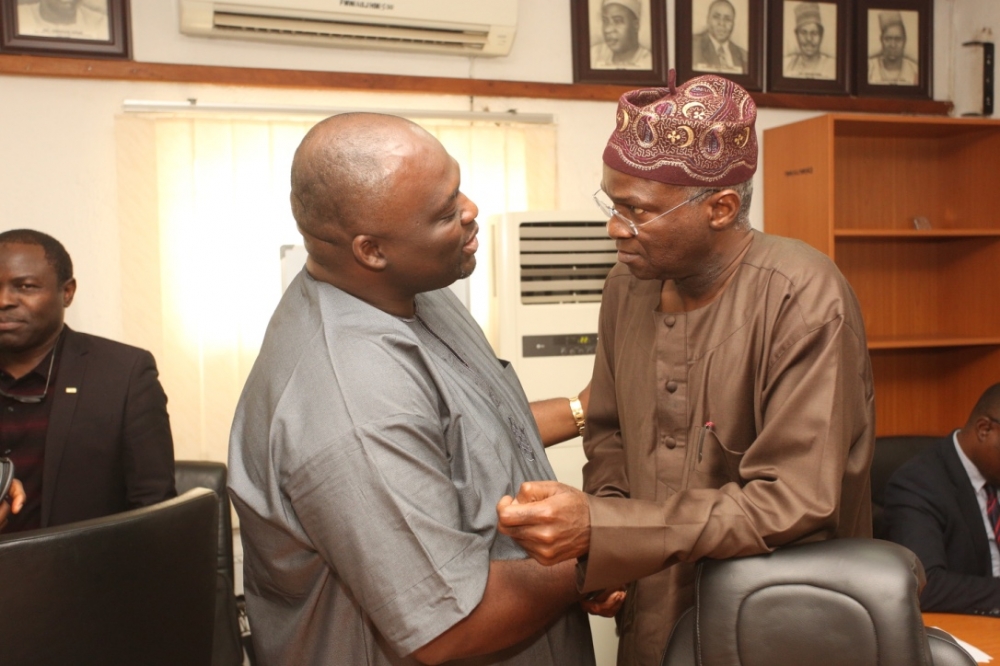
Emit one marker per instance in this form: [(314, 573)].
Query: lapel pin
[(70, 389)]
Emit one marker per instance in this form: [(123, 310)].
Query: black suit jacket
[(108, 447), (931, 509)]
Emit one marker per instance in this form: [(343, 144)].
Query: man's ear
[(983, 427), (725, 208), (368, 253), (69, 290)]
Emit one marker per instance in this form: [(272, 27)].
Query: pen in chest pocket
[(702, 431)]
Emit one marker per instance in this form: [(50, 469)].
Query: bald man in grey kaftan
[(367, 456)]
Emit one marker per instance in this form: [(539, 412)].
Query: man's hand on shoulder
[(548, 519)]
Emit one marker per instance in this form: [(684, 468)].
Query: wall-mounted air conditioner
[(461, 27)]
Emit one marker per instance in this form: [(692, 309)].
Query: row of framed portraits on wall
[(871, 48)]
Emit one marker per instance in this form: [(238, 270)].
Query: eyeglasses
[(34, 399), (992, 419), (600, 198)]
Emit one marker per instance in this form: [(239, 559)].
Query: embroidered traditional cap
[(807, 12), (885, 19), (634, 5), (698, 133)]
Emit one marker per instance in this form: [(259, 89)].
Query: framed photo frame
[(894, 49), (724, 37), (621, 42), (83, 28), (808, 46)]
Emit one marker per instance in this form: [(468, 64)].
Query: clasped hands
[(551, 521)]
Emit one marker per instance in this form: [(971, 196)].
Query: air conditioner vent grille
[(564, 262), (349, 32)]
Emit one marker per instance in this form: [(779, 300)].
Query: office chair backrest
[(846, 602), (890, 453), (190, 474), (133, 588), (227, 644)]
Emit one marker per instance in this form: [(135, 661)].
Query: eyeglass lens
[(608, 209)]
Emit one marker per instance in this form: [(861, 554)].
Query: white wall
[(973, 20)]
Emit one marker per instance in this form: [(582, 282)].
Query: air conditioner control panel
[(575, 344)]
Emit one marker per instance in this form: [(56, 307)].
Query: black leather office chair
[(890, 453), (227, 645), (846, 602), (134, 588)]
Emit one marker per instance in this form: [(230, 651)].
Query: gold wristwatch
[(577, 409)]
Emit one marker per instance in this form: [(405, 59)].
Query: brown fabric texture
[(732, 429)]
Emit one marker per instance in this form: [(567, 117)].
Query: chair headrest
[(845, 601)]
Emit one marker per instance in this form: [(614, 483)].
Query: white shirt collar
[(975, 476)]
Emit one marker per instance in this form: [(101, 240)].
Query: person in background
[(83, 418), (891, 65), (942, 505), (713, 50), (620, 29), (810, 61), (377, 430), (731, 406)]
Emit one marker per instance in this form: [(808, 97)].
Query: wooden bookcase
[(851, 185)]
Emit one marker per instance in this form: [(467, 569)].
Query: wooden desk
[(978, 630)]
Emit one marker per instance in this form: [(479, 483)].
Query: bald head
[(378, 201), (344, 170)]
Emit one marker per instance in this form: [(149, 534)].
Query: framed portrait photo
[(724, 37), (619, 41), (808, 48), (894, 48), (84, 28)]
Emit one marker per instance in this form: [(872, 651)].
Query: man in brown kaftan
[(731, 407)]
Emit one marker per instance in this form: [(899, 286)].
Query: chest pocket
[(714, 464)]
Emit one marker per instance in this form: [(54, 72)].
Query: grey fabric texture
[(367, 456)]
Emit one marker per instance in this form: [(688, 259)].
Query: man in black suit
[(942, 505), (83, 418)]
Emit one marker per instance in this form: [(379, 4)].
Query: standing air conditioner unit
[(461, 27)]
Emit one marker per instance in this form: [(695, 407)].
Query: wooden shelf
[(930, 343), (82, 68), (850, 186), (913, 234)]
